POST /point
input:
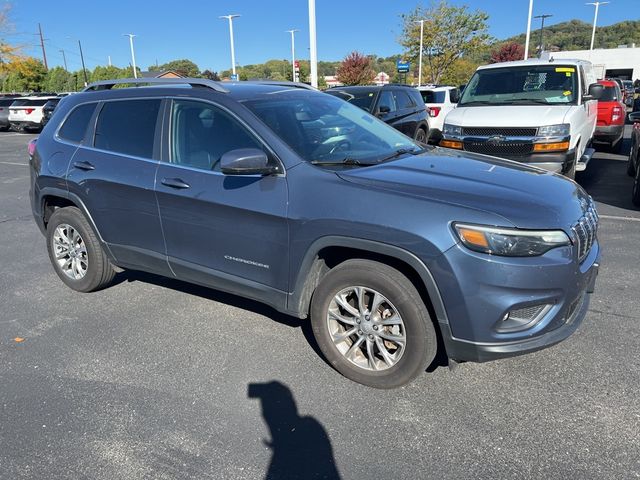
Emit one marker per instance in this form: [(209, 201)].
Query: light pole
[(526, 43), (293, 53), (421, 22), (133, 55), (233, 53), (84, 70), (595, 21), (542, 17), (313, 47)]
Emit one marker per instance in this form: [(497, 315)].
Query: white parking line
[(10, 135), (15, 163), (614, 217)]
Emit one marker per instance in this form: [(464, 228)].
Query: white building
[(619, 62)]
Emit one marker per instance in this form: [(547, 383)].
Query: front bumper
[(478, 292), (608, 133)]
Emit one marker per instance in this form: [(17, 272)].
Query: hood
[(508, 115), (526, 197)]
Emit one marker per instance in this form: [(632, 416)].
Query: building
[(332, 81), (381, 79), (622, 62), (161, 74)]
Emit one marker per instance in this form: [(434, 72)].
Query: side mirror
[(634, 117), (246, 161), (595, 92), (383, 110)]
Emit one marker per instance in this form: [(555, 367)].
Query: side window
[(403, 100), (128, 127), (454, 95), (386, 100), (583, 80), (201, 133), (75, 126)]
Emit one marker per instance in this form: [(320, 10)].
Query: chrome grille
[(505, 131), (585, 232)]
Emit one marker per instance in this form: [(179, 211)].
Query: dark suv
[(400, 106), (297, 199)]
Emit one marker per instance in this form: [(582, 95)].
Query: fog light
[(522, 318)]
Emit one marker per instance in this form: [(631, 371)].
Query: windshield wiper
[(529, 100), (402, 151), (344, 161), (477, 102)]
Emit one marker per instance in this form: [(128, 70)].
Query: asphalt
[(154, 378)]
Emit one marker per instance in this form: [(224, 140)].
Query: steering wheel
[(339, 146)]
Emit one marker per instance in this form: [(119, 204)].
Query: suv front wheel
[(75, 251), (372, 325)]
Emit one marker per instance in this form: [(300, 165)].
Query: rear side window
[(75, 126), (6, 103), (403, 100), (429, 96), (128, 127)]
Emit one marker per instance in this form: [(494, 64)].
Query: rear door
[(113, 173), (220, 230), (406, 120)]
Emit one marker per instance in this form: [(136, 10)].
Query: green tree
[(25, 75), (109, 73), (450, 32), (211, 75), (57, 79), (183, 66)]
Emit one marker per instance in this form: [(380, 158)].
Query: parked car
[(629, 93), (440, 101), (25, 113), (611, 116), (285, 195), (633, 167), (540, 112), (48, 108), (400, 106), (4, 112)]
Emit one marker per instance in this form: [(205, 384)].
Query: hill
[(576, 35)]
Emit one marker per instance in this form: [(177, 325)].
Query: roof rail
[(194, 82), (283, 83)]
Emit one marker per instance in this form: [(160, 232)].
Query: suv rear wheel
[(372, 325), (75, 252), (420, 135)]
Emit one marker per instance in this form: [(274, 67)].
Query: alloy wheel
[(70, 251)]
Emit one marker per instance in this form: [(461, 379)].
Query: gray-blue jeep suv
[(300, 200)]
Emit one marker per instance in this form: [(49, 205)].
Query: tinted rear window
[(609, 94), (6, 103), (360, 98), (32, 103), (128, 127), (429, 96), (75, 125)]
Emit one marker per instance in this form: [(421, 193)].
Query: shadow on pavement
[(300, 445)]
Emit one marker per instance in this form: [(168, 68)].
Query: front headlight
[(560, 130), (510, 242), (449, 129)]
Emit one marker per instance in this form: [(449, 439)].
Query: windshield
[(323, 129), (360, 98), (529, 85), (430, 96)]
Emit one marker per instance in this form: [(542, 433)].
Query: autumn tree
[(450, 33), (355, 69), (508, 52)]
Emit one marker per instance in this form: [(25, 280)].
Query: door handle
[(175, 183), (84, 165)]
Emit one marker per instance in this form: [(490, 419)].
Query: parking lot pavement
[(154, 378)]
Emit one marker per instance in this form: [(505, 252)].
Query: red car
[(611, 116)]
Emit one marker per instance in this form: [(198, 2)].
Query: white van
[(541, 112)]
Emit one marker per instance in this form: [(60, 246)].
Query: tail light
[(29, 110), (31, 147), (434, 111), (616, 114)]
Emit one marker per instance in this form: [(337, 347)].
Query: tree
[(109, 73), (211, 75), (58, 80), (450, 33), (355, 69), (184, 67), (24, 75), (508, 52)]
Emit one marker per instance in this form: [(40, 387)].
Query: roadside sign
[(234, 77), (296, 64), (403, 67)]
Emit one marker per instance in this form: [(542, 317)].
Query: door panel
[(231, 224)]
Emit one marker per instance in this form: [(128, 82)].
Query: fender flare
[(300, 297)]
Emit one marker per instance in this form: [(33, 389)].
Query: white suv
[(541, 112), (440, 101), (26, 112)]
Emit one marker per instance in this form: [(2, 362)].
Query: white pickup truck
[(540, 112)]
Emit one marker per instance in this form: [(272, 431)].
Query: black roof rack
[(194, 82), (282, 83)]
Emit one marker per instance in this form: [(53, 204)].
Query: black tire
[(420, 136), (421, 340), (615, 147), (99, 271), (635, 194), (631, 167)]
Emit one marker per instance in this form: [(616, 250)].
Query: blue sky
[(168, 30)]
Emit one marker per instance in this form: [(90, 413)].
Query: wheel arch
[(328, 252)]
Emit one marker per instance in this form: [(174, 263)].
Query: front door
[(220, 230)]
